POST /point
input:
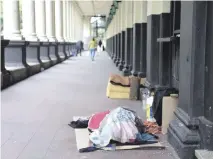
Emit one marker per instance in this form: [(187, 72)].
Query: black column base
[(117, 62), (66, 50), (114, 59), (44, 57), (52, 53), (183, 134), (5, 79), (127, 70), (15, 64), (60, 51), (134, 73), (142, 74), (32, 57), (183, 140), (206, 133), (121, 65), (113, 56)]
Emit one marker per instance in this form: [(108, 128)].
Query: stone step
[(204, 154)]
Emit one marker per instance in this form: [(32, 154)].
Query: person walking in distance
[(79, 47), (92, 47), (99, 47)]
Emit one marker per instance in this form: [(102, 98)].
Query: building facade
[(170, 44)]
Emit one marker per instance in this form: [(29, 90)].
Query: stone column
[(118, 34), (11, 20), (50, 20), (59, 20), (128, 39), (122, 40), (68, 19), (40, 20), (193, 128), (72, 24), (28, 16), (111, 40), (153, 24), (143, 49), (165, 45), (137, 16), (115, 36), (64, 20)]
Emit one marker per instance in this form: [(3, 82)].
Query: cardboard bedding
[(119, 87), (120, 80), (113, 88), (117, 92)]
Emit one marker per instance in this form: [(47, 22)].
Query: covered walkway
[(167, 44), (36, 111)]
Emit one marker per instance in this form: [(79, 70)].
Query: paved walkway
[(36, 111)]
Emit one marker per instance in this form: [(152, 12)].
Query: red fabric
[(95, 120)]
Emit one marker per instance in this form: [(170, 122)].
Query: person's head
[(93, 39)]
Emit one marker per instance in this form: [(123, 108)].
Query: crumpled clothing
[(79, 124), (118, 125), (152, 127), (95, 120), (145, 137)]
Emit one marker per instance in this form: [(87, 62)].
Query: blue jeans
[(92, 53)]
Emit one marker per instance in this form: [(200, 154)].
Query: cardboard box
[(169, 105)]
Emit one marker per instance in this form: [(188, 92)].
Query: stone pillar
[(165, 45), (128, 39), (153, 23), (11, 20), (122, 38), (28, 16), (110, 39), (137, 18), (40, 20), (32, 47), (143, 49), (59, 20), (64, 20), (60, 28), (74, 23), (118, 34), (50, 20), (193, 127), (206, 122), (115, 36), (68, 20)]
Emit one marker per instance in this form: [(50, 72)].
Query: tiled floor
[(36, 111)]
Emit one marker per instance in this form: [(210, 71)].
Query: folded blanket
[(120, 80)]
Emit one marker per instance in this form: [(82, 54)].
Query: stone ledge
[(204, 154)]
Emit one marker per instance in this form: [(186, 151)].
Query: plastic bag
[(118, 125)]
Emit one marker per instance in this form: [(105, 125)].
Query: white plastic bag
[(118, 125)]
